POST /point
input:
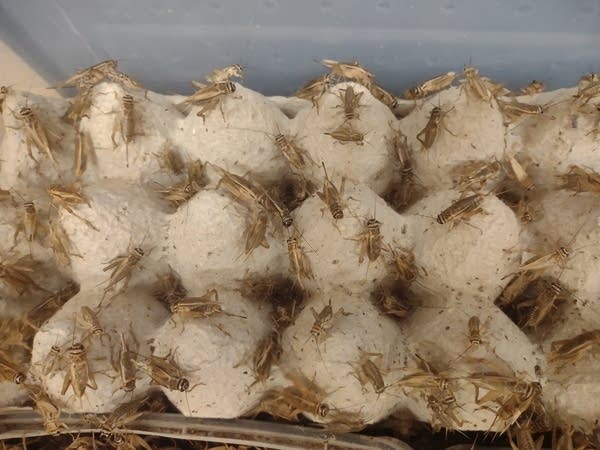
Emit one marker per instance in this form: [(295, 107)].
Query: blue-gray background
[(165, 44)]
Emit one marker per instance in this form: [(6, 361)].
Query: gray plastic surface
[(165, 44)]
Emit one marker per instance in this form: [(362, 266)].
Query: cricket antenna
[(324, 169), (74, 327)]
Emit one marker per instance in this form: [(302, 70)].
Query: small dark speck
[(447, 327), (524, 10), (447, 8)]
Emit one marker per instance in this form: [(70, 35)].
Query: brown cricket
[(402, 150), (430, 87), (52, 360), (83, 150), (558, 257), (535, 87), (79, 374), (126, 412), (303, 396), (315, 88), (67, 197), (170, 160), (592, 77), (129, 441), (255, 231), (520, 174), (35, 133), (514, 110), (350, 102), (520, 205), (474, 335), (331, 196), (207, 93), (370, 240), (475, 174), (3, 95), (225, 74), (512, 395), (461, 210), (346, 133), (244, 190), (126, 123), (28, 225), (39, 314), (425, 376), (88, 320), (240, 188), (83, 101), (269, 203), (517, 286), (59, 242), (435, 386), (324, 321), (47, 409), (407, 190), (123, 79), (385, 97), (10, 370), (290, 149), (179, 193), (299, 263), (82, 75), (589, 91), (429, 134), (268, 351), (201, 307), (475, 84), (183, 191), (169, 288), (122, 269), (368, 372), (164, 371), (474, 326), (16, 274), (443, 412), (391, 303), (571, 350), (351, 70), (524, 440), (542, 305), (579, 180), (208, 106), (124, 364), (15, 331)]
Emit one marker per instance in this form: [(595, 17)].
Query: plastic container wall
[(166, 44)]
